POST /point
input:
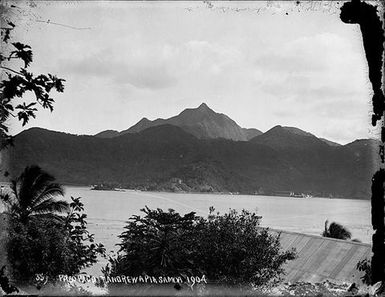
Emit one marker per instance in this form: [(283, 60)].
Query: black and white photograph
[(179, 148)]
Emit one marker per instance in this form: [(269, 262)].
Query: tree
[(17, 82), (335, 230), (33, 195), (229, 249), (233, 249), (51, 247), (158, 243), (46, 236)]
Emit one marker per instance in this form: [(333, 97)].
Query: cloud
[(345, 130), (301, 72), (302, 88), (318, 75), (139, 71), (154, 66), (209, 56), (324, 56)]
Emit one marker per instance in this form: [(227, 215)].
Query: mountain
[(365, 151), (166, 157), (140, 126), (251, 133), (107, 134), (290, 136), (201, 122), (331, 143), (280, 137)]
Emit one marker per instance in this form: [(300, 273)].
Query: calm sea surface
[(109, 210)]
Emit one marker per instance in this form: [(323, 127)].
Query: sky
[(261, 63)]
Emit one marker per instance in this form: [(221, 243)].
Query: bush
[(366, 267), (233, 249), (228, 249), (335, 230), (51, 247)]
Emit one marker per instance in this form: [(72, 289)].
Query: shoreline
[(212, 193), (200, 193)]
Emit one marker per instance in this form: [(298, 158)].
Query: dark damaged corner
[(366, 15), (356, 12)]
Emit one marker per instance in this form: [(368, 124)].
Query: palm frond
[(31, 181), (51, 206), (33, 194), (48, 191), (49, 217)]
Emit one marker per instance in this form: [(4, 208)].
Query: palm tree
[(335, 230), (33, 196)]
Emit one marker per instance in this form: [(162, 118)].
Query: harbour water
[(109, 210)]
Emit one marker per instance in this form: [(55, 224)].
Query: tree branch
[(9, 69)]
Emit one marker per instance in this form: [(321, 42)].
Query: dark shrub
[(51, 247), (228, 249)]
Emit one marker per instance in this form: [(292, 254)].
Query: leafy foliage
[(233, 249), (46, 236), (18, 82), (158, 243), (366, 267), (229, 249), (84, 250), (51, 247), (335, 230)]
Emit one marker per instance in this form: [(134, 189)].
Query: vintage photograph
[(186, 148)]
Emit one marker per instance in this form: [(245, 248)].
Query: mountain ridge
[(284, 137), (167, 158), (202, 122)]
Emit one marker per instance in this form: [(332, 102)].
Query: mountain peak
[(297, 131), (203, 106), (107, 134), (144, 120), (201, 122), (283, 137), (291, 130)]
